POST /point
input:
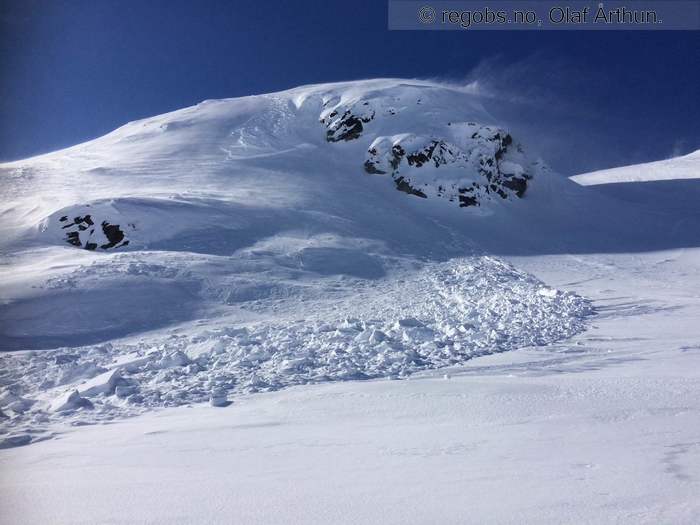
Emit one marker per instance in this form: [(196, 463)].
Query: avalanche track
[(330, 232)]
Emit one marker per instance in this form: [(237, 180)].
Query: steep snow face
[(250, 244)]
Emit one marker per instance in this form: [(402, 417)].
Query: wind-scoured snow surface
[(244, 245)]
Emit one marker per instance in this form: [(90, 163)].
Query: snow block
[(103, 384), (219, 402), (70, 401), (16, 440)]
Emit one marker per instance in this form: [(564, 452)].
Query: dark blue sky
[(74, 70)]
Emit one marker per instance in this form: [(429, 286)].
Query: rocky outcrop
[(464, 162), (474, 165), (347, 123), (82, 232), (346, 127)]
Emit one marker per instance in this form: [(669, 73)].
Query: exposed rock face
[(347, 123), (404, 186), (479, 162), (465, 162), (346, 127), (82, 232), (114, 235)]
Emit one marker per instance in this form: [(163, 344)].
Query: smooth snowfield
[(248, 311)]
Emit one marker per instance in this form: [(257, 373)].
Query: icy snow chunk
[(75, 371), (126, 390), (175, 359), (208, 346), (377, 336), (290, 365), (13, 401), (219, 398), (15, 440), (102, 384), (71, 400), (21, 405), (547, 292)]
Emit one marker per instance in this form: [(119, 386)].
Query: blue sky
[(74, 70)]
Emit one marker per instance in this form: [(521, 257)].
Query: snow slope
[(667, 189), (232, 258), (677, 168)]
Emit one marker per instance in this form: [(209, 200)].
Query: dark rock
[(517, 184), (350, 125), (467, 200), (372, 169), (468, 197), (113, 233), (397, 154), (404, 186), (487, 154), (421, 157), (81, 222), (73, 238), (438, 152)]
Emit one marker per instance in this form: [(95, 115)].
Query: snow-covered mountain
[(262, 151), (382, 230), (329, 232)]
